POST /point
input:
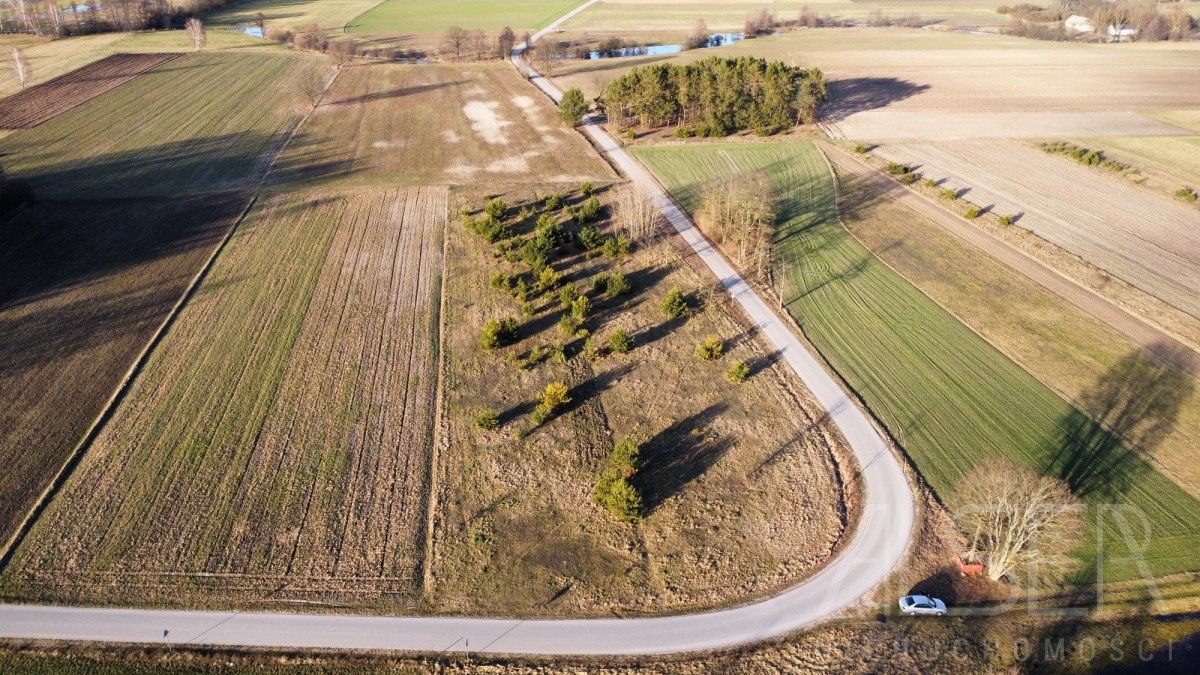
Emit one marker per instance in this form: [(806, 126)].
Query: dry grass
[(85, 285), (276, 446), (406, 125), (744, 480)]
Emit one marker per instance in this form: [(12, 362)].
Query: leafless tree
[(312, 86), (505, 42), (699, 37), (477, 43), (808, 18), (454, 41), (636, 214), (24, 10), (548, 52), (738, 213), (195, 32), (20, 66), (1014, 517)]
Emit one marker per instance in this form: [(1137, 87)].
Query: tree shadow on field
[(680, 454), (1128, 412), (858, 94), (394, 93)]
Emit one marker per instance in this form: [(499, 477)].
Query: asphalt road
[(877, 545)]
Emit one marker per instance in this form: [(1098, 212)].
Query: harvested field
[(1175, 160), (461, 124), (890, 125), (276, 446), (37, 104), (199, 123), (1144, 239), (1066, 348), (948, 397), (84, 286), (743, 481)]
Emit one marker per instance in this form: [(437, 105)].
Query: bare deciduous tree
[(636, 214), (20, 66), (477, 44), (312, 85), (547, 53), (739, 214), (454, 41), (1015, 517), (195, 32), (505, 42)]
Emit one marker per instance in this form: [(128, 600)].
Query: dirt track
[(1139, 237), (1142, 333)]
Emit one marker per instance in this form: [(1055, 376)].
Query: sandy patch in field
[(485, 122), (473, 90), (524, 102), (388, 145), (516, 164), (451, 136), (461, 170), (882, 125)]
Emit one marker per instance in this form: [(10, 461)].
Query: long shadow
[(857, 94), (1126, 414), (394, 93), (680, 454)]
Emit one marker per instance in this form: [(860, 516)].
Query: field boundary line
[(360, 15), (439, 412), (106, 412)]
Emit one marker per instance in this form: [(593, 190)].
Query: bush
[(600, 284), (949, 194), (552, 203), (971, 213), (502, 281), (738, 372), (909, 178), (527, 309), (569, 325), (591, 350), (554, 396), (630, 134), (618, 496), (590, 238), (1006, 220), (929, 183), (898, 169), (675, 305), (549, 279), (615, 247), (497, 209), (567, 295), (487, 420), (497, 333), (520, 291), (1187, 194), (626, 457), (581, 308), (586, 188), (616, 285), (620, 342), (861, 148), (711, 349), (572, 107), (588, 211)]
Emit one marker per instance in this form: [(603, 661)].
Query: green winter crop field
[(431, 16), (949, 397)]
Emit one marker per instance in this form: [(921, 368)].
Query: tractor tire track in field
[(1142, 333)]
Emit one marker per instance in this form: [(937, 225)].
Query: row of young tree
[(49, 18), (717, 96), (461, 44)]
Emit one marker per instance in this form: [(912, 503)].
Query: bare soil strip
[(1146, 240), (276, 446), (35, 105), (1142, 333), (891, 125)]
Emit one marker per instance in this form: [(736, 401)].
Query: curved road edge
[(877, 546)]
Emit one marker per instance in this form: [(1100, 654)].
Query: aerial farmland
[(642, 335)]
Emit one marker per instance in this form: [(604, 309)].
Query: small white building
[(1122, 32), (1079, 24)]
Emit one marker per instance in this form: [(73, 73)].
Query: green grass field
[(949, 397), (431, 16), (204, 122), (292, 14)]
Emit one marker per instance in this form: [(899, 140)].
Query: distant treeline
[(717, 96), (48, 18), (1046, 22)]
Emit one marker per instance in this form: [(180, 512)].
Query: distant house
[(1079, 24), (1121, 32)]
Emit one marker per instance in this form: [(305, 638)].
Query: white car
[(922, 604)]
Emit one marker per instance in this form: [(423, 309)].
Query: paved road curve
[(878, 544)]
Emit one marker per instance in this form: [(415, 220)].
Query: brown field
[(276, 446), (458, 125), (744, 482), (1142, 238), (1065, 347), (84, 286), (37, 104)]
